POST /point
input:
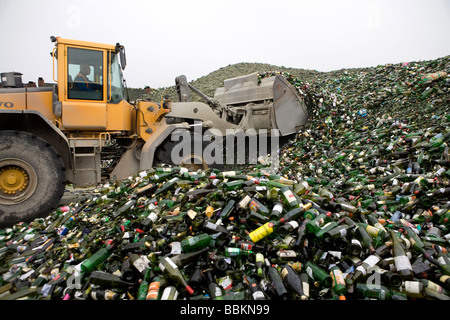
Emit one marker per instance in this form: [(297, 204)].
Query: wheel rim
[(18, 181)]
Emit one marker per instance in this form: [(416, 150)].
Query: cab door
[(84, 103)]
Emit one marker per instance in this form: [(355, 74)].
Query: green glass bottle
[(166, 186), (97, 258), (338, 281), (233, 185), (226, 212), (257, 206), (378, 292), (277, 284), (169, 268), (287, 228), (169, 293), (183, 258), (293, 281), (196, 242), (156, 288), (109, 280), (365, 237), (366, 266), (277, 211), (402, 263), (326, 228), (314, 225), (259, 263), (373, 231), (215, 291), (143, 287), (318, 274), (305, 284), (311, 213), (443, 260), (295, 213), (234, 252), (288, 197)]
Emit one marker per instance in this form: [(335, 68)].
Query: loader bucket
[(271, 104), (289, 110)]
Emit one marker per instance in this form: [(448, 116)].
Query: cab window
[(85, 74)]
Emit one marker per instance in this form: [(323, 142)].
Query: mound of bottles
[(357, 206)]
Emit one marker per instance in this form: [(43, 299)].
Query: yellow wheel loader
[(51, 136)]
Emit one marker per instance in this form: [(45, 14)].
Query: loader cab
[(91, 86)]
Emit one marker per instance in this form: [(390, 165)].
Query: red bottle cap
[(189, 290)]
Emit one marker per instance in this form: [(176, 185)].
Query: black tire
[(33, 159)]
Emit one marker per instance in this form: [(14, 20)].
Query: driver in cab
[(81, 80)]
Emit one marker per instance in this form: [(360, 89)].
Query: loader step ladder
[(86, 155)]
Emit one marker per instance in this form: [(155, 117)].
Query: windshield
[(117, 89)]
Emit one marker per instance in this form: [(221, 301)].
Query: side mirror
[(123, 59)]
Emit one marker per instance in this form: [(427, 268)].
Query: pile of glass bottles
[(357, 207)]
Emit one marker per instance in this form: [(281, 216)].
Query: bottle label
[(172, 180), (253, 205), (402, 263), (167, 292), (192, 241), (233, 251), (169, 261), (176, 248), (284, 273), (244, 202), (441, 261), (278, 207), (362, 270), (372, 260), (217, 292), (258, 295), (325, 226), (309, 272), (289, 196), (412, 287), (306, 288), (293, 223), (444, 278), (228, 173), (183, 170), (153, 290), (435, 287), (373, 231), (338, 277), (343, 232), (259, 257), (289, 240), (153, 216), (286, 254), (261, 232), (247, 247), (141, 263), (211, 225), (319, 222)]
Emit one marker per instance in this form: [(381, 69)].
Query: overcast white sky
[(164, 39)]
